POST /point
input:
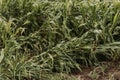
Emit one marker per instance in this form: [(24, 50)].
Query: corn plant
[(56, 36)]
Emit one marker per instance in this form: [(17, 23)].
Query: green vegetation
[(39, 37)]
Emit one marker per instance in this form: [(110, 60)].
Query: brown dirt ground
[(105, 71)]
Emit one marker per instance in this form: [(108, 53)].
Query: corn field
[(38, 37)]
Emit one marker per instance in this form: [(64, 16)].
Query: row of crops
[(45, 36)]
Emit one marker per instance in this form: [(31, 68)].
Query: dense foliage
[(38, 36)]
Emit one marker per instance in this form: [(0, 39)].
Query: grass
[(39, 36)]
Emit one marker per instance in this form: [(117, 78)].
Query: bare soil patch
[(104, 71)]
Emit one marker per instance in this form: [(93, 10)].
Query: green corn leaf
[(2, 55)]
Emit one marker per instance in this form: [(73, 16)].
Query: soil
[(104, 71)]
